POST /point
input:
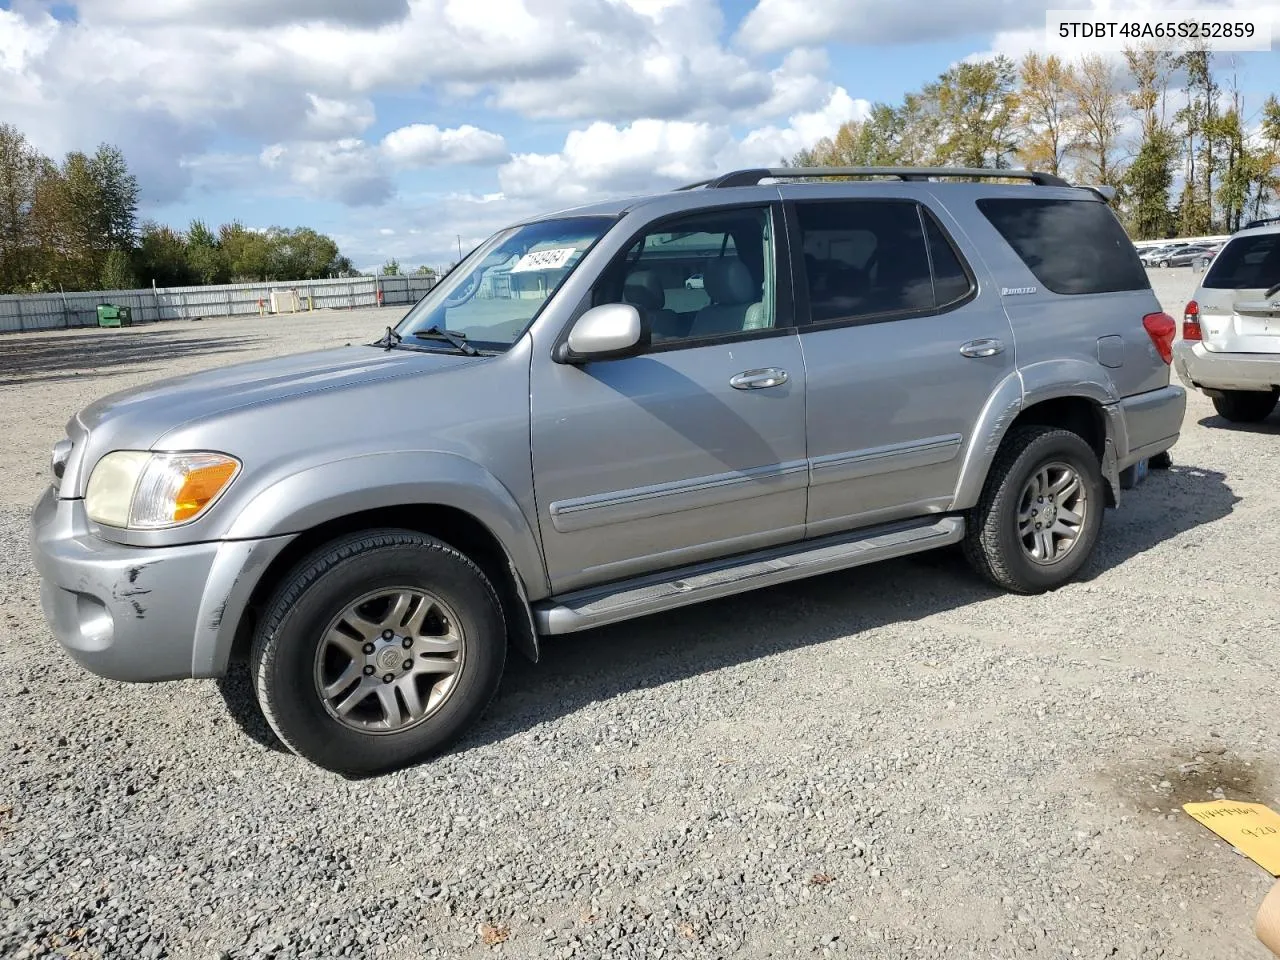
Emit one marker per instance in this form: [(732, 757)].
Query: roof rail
[(1266, 221), (751, 178)]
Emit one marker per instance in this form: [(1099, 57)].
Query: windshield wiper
[(389, 339), (458, 340)]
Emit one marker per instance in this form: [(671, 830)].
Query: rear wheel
[(377, 651), (1245, 406), (1038, 520), (1165, 264)]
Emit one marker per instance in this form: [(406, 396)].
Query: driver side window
[(705, 276)]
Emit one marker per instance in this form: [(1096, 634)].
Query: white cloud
[(344, 170), (650, 154), (780, 24), (337, 118), (165, 80), (244, 12), (426, 145)]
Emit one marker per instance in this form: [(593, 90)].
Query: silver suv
[(1230, 346), (567, 433)]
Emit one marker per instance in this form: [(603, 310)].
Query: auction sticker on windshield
[(552, 259)]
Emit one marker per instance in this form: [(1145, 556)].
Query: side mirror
[(610, 331)]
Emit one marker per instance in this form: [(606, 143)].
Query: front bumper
[(141, 613), (1206, 370)]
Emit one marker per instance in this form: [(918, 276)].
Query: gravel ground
[(891, 762)]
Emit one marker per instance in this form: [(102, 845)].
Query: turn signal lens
[(149, 491)]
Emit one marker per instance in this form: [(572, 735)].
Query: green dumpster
[(110, 315)]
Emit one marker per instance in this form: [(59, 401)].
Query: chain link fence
[(59, 311)]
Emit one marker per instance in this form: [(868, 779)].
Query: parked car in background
[(1230, 346), (560, 436), (695, 282), (1152, 255), (1183, 257)]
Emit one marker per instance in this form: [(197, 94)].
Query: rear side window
[(870, 258), (1246, 263), (1072, 246), (950, 281)]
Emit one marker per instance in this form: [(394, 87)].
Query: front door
[(902, 351), (695, 449)]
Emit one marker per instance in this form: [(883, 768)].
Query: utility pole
[(459, 246)]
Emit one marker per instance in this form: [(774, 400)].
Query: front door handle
[(982, 348), (759, 379)]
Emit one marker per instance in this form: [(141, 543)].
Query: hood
[(140, 417)]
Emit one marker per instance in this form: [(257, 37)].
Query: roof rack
[(1266, 221), (751, 178)]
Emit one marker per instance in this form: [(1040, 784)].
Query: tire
[(321, 627), (1164, 264), (992, 542), (1245, 406)]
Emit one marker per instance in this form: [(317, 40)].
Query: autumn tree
[(1045, 111), (21, 168), (1095, 101), (1149, 177), (975, 105)]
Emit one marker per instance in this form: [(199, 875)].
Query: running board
[(596, 606)]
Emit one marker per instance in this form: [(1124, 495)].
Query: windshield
[(1246, 263), (493, 295)]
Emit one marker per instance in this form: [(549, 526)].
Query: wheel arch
[(453, 526), (1085, 409)]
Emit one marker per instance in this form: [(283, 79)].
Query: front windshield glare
[(494, 294)]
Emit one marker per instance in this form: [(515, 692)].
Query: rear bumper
[(1151, 423), (141, 613), (1205, 370)]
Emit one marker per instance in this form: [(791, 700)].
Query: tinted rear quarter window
[(1246, 263), (1072, 246)]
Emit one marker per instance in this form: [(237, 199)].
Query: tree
[(205, 255), (117, 198), (162, 257), (1094, 98), (425, 271), (1044, 111), (117, 272), (300, 254), (1150, 175), (391, 268), (247, 252), (21, 168), (1265, 163), (975, 108)]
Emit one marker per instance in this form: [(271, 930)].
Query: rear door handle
[(759, 379), (982, 348)]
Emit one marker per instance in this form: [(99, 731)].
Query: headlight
[(147, 491)]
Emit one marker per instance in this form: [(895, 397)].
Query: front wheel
[(1165, 264), (1038, 519), (1245, 406), (377, 651)]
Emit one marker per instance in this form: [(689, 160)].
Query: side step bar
[(596, 606)]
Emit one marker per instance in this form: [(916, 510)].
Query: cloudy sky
[(397, 125)]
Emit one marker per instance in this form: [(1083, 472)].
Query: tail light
[(1161, 329), (1191, 322)]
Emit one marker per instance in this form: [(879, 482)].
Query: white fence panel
[(59, 311)]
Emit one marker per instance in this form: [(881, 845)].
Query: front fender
[(340, 488)]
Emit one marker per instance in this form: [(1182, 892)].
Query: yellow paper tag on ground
[(1251, 828)]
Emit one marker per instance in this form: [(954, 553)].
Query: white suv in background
[(1230, 346)]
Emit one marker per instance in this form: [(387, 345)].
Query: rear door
[(902, 349), (1239, 298)]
